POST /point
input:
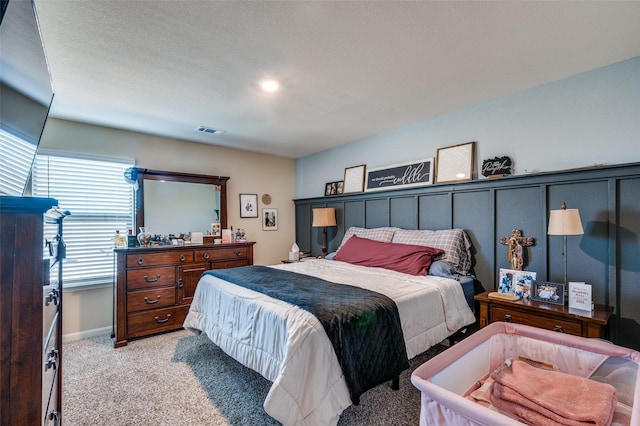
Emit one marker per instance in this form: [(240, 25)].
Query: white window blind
[(100, 202)]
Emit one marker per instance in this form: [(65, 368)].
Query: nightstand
[(544, 315)]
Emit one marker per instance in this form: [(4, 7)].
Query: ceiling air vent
[(209, 130)]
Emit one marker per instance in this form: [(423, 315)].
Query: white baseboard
[(86, 334)]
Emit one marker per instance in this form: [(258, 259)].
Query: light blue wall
[(591, 118)]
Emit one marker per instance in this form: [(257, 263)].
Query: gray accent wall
[(607, 256)]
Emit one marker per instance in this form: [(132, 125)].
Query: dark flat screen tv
[(26, 93)]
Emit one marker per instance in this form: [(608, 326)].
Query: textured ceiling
[(348, 69)]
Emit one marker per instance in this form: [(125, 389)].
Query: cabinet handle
[(206, 256), (140, 260), (180, 284), (182, 258), (52, 360), (151, 280), (238, 254), (507, 318), (558, 328), (160, 321), (151, 302), (52, 297), (54, 416)]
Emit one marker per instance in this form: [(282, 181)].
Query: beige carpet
[(179, 378)]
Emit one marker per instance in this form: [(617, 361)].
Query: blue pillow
[(442, 269), (331, 255)]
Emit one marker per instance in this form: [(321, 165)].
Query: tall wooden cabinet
[(30, 311), (155, 285)]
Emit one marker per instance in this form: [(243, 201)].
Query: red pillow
[(407, 258)]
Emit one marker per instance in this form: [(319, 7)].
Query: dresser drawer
[(151, 277), (527, 318), (225, 264), (156, 321), (151, 299), (222, 253), (155, 259)]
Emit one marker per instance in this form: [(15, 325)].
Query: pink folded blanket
[(545, 397)]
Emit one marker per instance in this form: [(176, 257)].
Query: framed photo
[(403, 175), (544, 291), (516, 282), (455, 163), (248, 205), (269, 219), (333, 188), (354, 179)]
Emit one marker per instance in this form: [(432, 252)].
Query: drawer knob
[(182, 258), (558, 328), (180, 283), (507, 318), (206, 256), (160, 321), (151, 302), (140, 260), (238, 253), (151, 280)]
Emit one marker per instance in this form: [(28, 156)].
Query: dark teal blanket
[(363, 326)]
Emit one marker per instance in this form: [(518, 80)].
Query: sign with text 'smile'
[(404, 175)]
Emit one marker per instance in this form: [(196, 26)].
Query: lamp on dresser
[(324, 217), (565, 222)]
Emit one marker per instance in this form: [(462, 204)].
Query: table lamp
[(565, 222), (324, 217)]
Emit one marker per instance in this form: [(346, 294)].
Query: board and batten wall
[(88, 310), (607, 256)]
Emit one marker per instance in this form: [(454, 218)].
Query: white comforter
[(289, 347)]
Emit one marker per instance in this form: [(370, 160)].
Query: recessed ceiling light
[(209, 130), (270, 85)]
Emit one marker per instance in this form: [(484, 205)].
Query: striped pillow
[(455, 243), (383, 234)]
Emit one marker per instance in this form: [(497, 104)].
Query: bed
[(453, 391), (289, 346)]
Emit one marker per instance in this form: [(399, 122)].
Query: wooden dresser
[(30, 312), (155, 285), (544, 315)]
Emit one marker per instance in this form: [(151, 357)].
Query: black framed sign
[(403, 175)]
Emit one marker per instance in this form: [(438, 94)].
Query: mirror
[(26, 91), (174, 203)]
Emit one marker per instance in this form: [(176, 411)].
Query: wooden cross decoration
[(516, 242)]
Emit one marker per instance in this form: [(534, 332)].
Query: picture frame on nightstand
[(544, 291), (516, 282)]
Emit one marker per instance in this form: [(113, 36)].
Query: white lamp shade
[(565, 222), (324, 217)]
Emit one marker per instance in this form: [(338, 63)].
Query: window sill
[(86, 286)]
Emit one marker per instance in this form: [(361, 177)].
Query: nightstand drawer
[(528, 318)]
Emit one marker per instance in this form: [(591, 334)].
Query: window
[(100, 201)]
